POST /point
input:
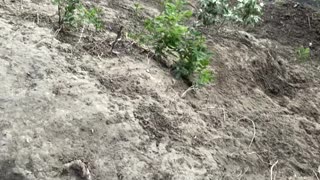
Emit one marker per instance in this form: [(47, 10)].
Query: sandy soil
[(70, 113)]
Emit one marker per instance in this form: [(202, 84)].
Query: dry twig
[(271, 169), (254, 129), (81, 35), (315, 173), (186, 91), (224, 114)]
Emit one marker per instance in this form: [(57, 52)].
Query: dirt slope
[(123, 116)]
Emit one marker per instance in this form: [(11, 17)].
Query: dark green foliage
[(168, 35), (214, 11), (246, 12), (303, 53), (74, 14)]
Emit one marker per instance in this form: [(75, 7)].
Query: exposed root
[(315, 173), (254, 129), (80, 168), (271, 170), (186, 91)]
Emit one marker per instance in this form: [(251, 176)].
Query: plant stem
[(60, 17)]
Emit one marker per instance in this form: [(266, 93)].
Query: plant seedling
[(74, 14), (303, 53)]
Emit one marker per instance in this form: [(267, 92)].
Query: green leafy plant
[(194, 58), (247, 12), (74, 14), (214, 11), (168, 35), (303, 53)]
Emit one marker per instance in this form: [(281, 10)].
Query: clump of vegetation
[(248, 12), (303, 53), (74, 14), (213, 12), (168, 35)]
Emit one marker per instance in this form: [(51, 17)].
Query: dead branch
[(309, 22)]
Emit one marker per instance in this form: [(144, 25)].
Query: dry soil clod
[(80, 168)]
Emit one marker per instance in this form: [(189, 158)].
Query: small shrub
[(303, 53), (194, 58), (214, 11), (246, 12), (74, 14), (167, 34)]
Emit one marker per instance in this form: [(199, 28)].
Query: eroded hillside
[(121, 116)]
